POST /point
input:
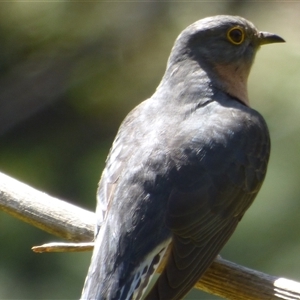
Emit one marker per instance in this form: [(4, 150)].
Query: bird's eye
[(236, 35)]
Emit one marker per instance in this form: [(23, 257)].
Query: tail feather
[(106, 280)]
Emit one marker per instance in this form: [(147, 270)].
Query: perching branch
[(50, 214), (223, 278)]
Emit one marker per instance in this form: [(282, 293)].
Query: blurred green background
[(70, 72)]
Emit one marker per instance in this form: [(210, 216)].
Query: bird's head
[(224, 47)]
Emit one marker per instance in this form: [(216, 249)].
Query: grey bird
[(185, 166)]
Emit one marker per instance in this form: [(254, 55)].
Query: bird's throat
[(234, 80)]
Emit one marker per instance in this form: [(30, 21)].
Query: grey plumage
[(185, 166)]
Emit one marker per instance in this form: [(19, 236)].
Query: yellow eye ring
[(236, 35)]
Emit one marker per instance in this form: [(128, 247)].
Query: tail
[(114, 274)]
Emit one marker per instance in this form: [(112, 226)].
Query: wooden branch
[(223, 278), (50, 214), (231, 281)]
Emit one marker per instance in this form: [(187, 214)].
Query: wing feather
[(182, 271), (215, 185)]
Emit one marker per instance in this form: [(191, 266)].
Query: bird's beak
[(269, 38)]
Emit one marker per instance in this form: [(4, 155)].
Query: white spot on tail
[(145, 271)]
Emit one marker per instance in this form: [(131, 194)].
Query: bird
[(184, 167)]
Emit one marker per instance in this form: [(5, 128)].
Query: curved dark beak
[(269, 38)]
